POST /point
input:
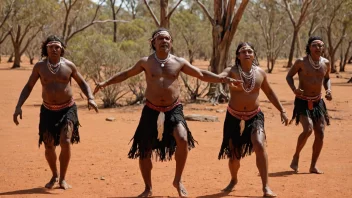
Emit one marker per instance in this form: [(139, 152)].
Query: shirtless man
[(244, 123), (58, 114), (162, 126), (313, 72)]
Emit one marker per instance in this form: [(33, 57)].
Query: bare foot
[(64, 185), (182, 192), (294, 164), (315, 170), (230, 186), (51, 183), (147, 193), (268, 192)]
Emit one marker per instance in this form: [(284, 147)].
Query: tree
[(131, 6), (26, 24), (270, 19), (224, 25), (297, 24), (339, 19), (6, 8), (114, 13), (164, 14), (74, 21)]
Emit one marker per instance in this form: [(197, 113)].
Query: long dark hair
[(238, 62), (155, 32), (49, 39), (310, 40)]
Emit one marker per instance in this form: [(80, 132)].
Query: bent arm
[(327, 82), (269, 92), (292, 72), (81, 83), (27, 89)]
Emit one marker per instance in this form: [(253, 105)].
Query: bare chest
[(170, 70), (62, 76)]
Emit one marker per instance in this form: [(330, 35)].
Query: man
[(313, 72), (58, 114), (244, 122), (162, 126)]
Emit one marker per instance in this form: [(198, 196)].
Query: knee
[(308, 131), (65, 142), (258, 147), (182, 141), (49, 146), (319, 135)]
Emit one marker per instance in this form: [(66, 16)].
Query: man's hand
[(99, 86), (328, 95), (298, 92), (92, 104), (18, 111), (232, 82), (284, 119)]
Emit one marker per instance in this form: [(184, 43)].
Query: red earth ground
[(99, 165)]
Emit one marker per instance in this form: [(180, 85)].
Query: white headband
[(57, 43), (163, 32), (246, 47)]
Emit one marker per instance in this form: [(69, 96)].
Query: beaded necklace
[(162, 62), (248, 77), (53, 68)]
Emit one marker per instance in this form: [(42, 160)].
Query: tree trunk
[(350, 60), (290, 58), (31, 60), (10, 60), (190, 54), (17, 61), (344, 58), (332, 62)]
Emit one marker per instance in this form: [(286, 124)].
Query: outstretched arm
[(121, 76), (269, 92), (208, 76), (84, 87), (327, 83), (26, 91), (289, 77)]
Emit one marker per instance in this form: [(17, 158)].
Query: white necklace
[(53, 68), (162, 62), (249, 77), (315, 64)]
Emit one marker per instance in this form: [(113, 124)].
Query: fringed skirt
[(234, 145), (145, 141), (319, 110), (52, 122)]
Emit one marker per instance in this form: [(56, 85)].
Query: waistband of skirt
[(243, 115), (309, 98), (163, 108), (54, 107)]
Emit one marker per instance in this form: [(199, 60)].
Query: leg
[(234, 165), (307, 125), (258, 141), (180, 134), (65, 155), (146, 166), (319, 128), (50, 156)]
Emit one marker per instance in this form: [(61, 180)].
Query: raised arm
[(26, 91), (208, 76), (121, 76), (327, 83), (84, 86), (269, 92), (292, 72)]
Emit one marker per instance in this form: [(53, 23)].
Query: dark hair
[(238, 62), (155, 32), (49, 39), (310, 40)]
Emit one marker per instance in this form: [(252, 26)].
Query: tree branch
[(152, 13), (206, 12), (173, 9)]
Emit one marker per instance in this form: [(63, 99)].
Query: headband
[(57, 43), (246, 47), (318, 42), (163, 32)]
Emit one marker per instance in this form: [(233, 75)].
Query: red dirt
[(104, 147)]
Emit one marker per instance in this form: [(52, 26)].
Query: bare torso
[(56, 88), (240, 99), (163, 87), (310, 79)]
